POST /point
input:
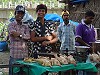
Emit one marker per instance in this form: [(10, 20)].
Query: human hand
[(23, 45), (15, 34), (44, 43), (49, 38)]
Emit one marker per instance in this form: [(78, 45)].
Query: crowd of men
[(26, 35)]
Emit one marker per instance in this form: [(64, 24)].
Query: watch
[(20, 36)]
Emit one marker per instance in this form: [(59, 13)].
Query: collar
[(45, 21), (38, 19), (67, 24), (89, 26)]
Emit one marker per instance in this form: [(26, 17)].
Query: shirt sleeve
[(79, 31), (51, 28), (59, 33), (26, 34), (11, 27), (32, 26)]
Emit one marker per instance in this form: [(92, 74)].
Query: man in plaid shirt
[(18, 36), (66, 34)]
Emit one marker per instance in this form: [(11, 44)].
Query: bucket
[(3, 45)]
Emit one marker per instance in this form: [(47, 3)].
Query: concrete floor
[(4, 59)]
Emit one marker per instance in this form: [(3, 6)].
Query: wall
[(77, 12)]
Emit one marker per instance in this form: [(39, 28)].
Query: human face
[(89, 19), (65, 16), (19, 16), (41, 13)]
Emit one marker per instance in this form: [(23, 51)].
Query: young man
[(42, 32), (18, 36), (66, 34), (85, 33)]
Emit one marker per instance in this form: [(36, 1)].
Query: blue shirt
[(66, 35)]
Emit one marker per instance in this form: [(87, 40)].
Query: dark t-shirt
[(42, 30), (86, 33)]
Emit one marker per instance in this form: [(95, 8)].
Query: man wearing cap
[(18, 36), (66, 34)]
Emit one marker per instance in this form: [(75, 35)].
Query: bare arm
[(15, 34), (54, 40), (79, 40), (35, 39)]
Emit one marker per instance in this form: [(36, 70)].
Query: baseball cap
[(20, 8)]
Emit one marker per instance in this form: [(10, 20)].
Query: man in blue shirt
[(66, 34)]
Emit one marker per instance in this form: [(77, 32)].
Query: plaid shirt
[(18, 47), (66, 35)]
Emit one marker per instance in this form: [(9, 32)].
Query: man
[(66, 34), (85, 33), (28, 20), (42, 32), (18, 36)]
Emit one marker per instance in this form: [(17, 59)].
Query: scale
[(81, 53)]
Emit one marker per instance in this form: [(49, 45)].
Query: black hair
[(89, 13), (41, 6)]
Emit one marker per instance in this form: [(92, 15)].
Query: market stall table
[(36, 69)]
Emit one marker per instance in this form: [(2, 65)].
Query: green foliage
[(47, 2), (11, 15), (1, 26), (3, 32)]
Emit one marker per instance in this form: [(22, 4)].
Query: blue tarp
[(56, 17), (79, 1), (53, 17), (75, 23)]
